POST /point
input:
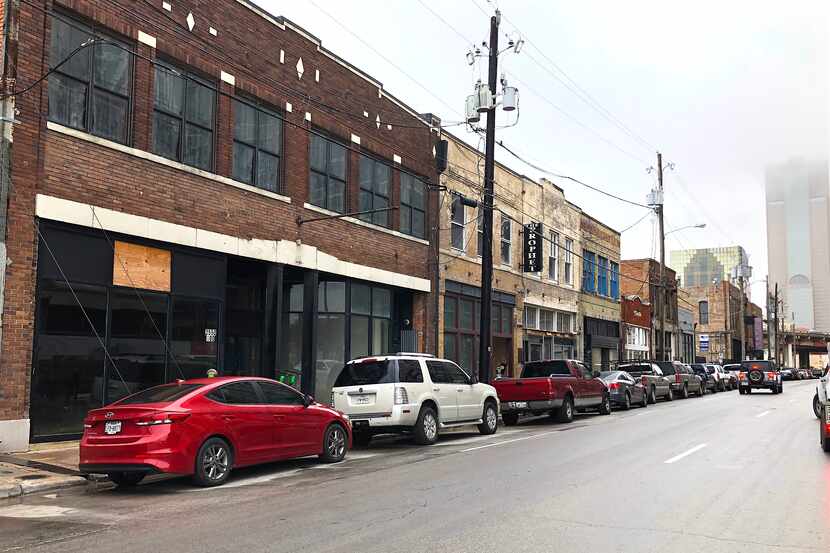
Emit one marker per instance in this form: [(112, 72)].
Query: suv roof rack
[(414, 354)]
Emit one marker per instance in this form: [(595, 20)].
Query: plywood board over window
[(140, 266)]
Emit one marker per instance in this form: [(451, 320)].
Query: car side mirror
[(307, 400)]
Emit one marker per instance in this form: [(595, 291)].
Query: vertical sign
[(532, 248)]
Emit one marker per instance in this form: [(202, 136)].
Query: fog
[(721, 88)]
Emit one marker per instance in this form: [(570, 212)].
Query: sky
[(721, 88)]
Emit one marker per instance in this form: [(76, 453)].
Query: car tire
[(749, 390), (489, 419), (627, 405), (816, 406), (670, 394), (605, 406), (426, 427), (213, 463), (510, 419), (741, 391), (644, 403), (335, 444), (685, 393), (566, 411), (126, 479), (361, 439), (652, 395)]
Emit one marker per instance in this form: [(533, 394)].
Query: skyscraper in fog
[(798, 240)]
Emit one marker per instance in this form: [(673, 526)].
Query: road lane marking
[(684, 454), (510, 441), (764, 414)]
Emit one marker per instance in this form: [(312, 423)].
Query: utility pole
[(662, 288), (741, 321), (775, 314), (485, 336)]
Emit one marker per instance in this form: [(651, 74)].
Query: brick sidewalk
[(46, 467)]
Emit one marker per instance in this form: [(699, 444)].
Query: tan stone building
[(534, 315), (600, 293)]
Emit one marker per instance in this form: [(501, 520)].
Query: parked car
[(652, 378), (788, 374), (722, 379), (760, 374), (681, 378), (804, 374), (707, 375), (206, 427), (412, 393), (624, 389), (816, 372), (558, 387)]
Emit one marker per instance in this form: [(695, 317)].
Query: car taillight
[(741, 376), (401, 397), (771, 376), (677, 378), (162, 418), (614, 386)]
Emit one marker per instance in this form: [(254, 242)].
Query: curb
[(31, 487)]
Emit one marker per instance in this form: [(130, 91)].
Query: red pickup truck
[(559, 387)]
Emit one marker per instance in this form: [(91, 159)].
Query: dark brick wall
[(247, 47)]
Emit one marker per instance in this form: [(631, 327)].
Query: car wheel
[(627, 404), (426, 428), (510, 419), (335, 444), (652, 395), (644, 403), (685, 393), (213, 462), (741, 391), (670, 394), (361, 439), (566, 411), (748, 390), (816, 406), (605, 406), (489, 419), (125, 479)]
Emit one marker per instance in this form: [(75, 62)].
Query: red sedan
[(205, 427)]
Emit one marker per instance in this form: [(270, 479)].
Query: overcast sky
[(720, 87)]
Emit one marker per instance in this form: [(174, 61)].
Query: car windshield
[(361, 373), (546, 368), (160, 394), (667, 367)]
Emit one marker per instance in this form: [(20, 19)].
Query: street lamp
[(699, 225)]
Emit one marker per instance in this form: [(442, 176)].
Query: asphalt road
[(723, 473)]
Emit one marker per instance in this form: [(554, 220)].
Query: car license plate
[(361, 400), (518, 404), (112, 427)]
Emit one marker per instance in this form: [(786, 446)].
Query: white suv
[(413, 393)]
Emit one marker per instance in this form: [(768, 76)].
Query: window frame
[(456, 209), (187, 76), (569, 246), (506, 242), (410, 208), (553, 259), (602, 275), (261, 384), (588, 274), (373, 192), (261, 109), (99, 32), (700, 311), (329, 140), (614, 286)]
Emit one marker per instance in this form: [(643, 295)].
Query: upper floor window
[(457, 223), (553, 260), (588, 271), (480, 233), (569, 256), (91, 90), (505, 239), (183, 118), (615, 280), (257, 142), (703, 312), (327, 175), (413, 206), (375, 179), (602, 276), (531, 317)]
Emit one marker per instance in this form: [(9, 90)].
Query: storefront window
[(194, 338)]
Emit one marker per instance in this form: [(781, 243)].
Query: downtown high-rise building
[(798, 240), (705, 266)]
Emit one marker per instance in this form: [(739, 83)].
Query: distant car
[(412, 393), (652, 378), (760, 374), (206, 427), (804, 374), (788, 374), (707, 374), (682, 379), (816, 372), (624, 390)]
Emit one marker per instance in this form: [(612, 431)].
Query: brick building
[(599, 297), (172, 182), (717, 318), (636, 328), (641, 278), (533, 314)]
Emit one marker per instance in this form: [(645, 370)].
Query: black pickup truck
[(652, 378)]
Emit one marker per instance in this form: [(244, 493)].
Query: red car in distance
[(206, 427)]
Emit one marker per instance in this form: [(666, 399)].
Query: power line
[(632, 225)]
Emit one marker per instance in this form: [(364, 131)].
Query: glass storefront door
[(68, 372)]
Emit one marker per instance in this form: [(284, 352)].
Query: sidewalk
[(46, 467)]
